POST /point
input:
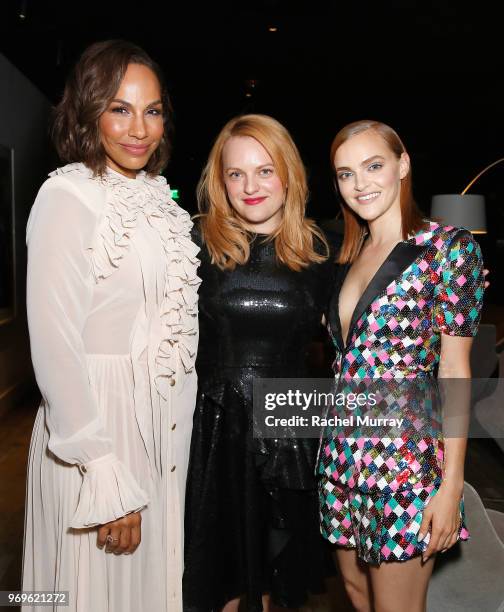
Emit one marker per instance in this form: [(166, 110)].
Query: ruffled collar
[(126, 199)]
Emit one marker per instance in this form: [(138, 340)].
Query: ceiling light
[(22, 9)]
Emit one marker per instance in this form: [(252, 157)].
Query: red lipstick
[(253, 201)]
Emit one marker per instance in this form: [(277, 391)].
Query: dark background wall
[(24, 112), (431, 68)]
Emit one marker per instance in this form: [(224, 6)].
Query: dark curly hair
[(93, 82)]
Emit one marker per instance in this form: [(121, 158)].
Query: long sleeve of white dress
[(59, 295)]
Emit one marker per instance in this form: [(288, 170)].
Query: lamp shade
[(466, 211)]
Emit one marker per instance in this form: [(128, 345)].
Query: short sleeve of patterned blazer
[(459, 294), (430, 284)]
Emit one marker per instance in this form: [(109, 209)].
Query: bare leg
[(401, 585), (268, 606), (232, 606), (356, 579)]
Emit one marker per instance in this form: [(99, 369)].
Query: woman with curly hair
[(112, 313)]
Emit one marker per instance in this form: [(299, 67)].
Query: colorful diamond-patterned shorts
[(380, 527)]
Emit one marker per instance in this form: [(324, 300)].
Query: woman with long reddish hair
[(405, 307), (252, 505)]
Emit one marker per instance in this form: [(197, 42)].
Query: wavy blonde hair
[(226, 236)]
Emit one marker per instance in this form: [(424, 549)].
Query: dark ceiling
[(431, 69)]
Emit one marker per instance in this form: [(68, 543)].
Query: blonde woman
[(251, 506)]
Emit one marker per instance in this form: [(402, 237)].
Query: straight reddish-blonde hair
[(412, 219), (226, 237)]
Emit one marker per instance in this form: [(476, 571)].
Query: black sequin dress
[(251, 506)]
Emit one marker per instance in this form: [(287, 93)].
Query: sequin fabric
[(373, 489), (252, 503)]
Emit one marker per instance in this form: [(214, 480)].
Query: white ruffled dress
[(112, 311)]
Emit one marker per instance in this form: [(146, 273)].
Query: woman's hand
[(121, 536), (442, 518)]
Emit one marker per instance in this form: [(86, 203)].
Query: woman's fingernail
[(425, 559), (420, 537)]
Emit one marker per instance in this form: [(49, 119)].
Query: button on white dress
[(112, 310)]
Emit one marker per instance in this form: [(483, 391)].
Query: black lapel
[(334, 320), (400, 258)]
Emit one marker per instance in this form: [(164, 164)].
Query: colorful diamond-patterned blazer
[(430, 284)]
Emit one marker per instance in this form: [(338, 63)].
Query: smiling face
[(253, 186), (132, 126), (369, 175)]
